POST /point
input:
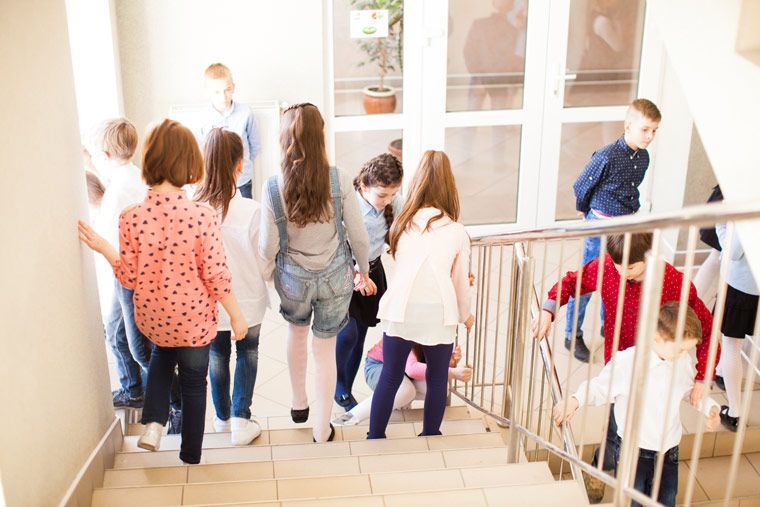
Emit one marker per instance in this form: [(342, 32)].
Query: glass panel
[(603, 52), (486, 55), (579, 142), (485, 162), (367, 62), (353, 149)]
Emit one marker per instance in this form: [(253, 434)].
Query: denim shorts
[(372, 370), (326, 293)]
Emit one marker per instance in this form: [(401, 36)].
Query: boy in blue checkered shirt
[(609, 187)]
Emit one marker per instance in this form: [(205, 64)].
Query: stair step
[(310, 467), (311, 450), (304, 435), (285, 422), (376, 483)]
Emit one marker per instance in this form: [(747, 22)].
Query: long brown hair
[(385, 171), (305, 170), (433, 186), (221, 153)]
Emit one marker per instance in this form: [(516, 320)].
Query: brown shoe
[(594, 488)]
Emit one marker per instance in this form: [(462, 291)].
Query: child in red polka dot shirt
[(171, 254), (634, 275)]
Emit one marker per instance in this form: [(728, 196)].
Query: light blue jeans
[(246, 366), (591, 247)]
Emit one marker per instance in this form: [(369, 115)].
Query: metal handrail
[(701, 215), (526, 301)]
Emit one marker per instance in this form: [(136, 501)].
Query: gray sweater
[(314, 246)]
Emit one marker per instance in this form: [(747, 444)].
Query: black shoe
[(121, 398), (332, 434), (720, 383), (347, 401), (175, 422), (582, 352), (731, 423), (299, 416)]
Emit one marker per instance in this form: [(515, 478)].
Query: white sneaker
[(151, 438), (221, 426), (244, 431), (347, 419)]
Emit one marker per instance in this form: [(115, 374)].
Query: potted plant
[(386, 53)]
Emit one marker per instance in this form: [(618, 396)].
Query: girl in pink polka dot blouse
[(171, 254)]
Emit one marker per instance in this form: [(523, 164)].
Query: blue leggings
[(395, 352)]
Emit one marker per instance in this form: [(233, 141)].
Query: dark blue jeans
[(349, 348), (246, 189), (612, 448), (645, 469), (395, 352), (193, 367), (130, 347), (591, 247), (246, 365)]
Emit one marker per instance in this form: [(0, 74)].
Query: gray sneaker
[(122, 399)]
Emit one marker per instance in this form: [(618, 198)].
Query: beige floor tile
[(465, 441), (687, 444), (347, 485), (461, 498), (357, 501), (129, 497), (507, 475), (396, 430), (456, 458), (238, 454), (456, 427), (754, 459), (300, 435), (346, 465), (565, 493), (147, 459), (228, 492), (297, 451), (711, 475), (724, 442), (449, 414), (390, 445), (698, 495), (145, 476), (411, 481), (749, 502), (399, 462), (230, 472)]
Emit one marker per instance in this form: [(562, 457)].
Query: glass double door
[(519, 93)]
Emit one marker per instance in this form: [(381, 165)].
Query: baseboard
[(91, 474)]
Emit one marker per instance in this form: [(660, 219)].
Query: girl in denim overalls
[(309, 212)]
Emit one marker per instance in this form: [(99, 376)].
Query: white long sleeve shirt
[(430, 285), (240, 236), (655, 410)]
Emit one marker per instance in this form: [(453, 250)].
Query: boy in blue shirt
[(224, 113), (609, 187)]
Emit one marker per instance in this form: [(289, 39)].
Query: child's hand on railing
[(712, 421), (564, 410), (469, 322), (540, 326), (456, 355), (463, 373), (697, 393), (472, 279)]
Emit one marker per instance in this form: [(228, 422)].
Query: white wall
[(721, 90), (273, 48), (55, 394)]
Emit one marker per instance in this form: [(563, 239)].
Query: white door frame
[(424, 118)]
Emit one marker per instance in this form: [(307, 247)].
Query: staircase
[(467, 466)]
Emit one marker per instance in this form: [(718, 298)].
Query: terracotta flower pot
[(379, 102), (394, 148)]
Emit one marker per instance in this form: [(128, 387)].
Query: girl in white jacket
[(429, 293)]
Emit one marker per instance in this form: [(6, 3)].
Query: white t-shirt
[(240, 236)]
